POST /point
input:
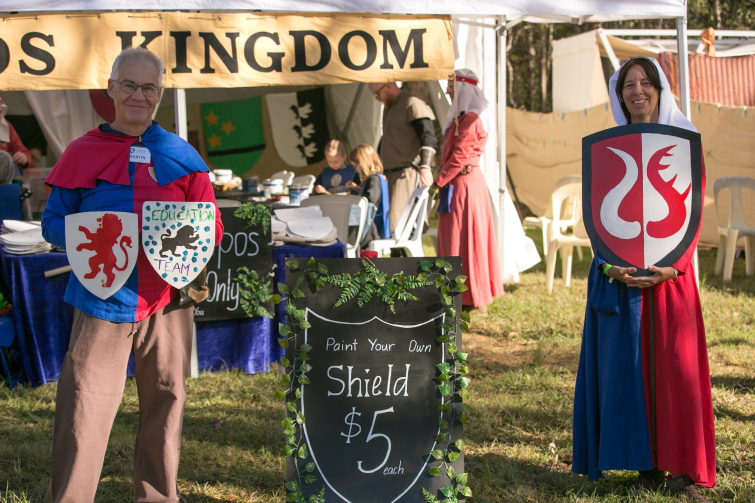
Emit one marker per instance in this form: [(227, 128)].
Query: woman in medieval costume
[(612, 419), (465, 220)]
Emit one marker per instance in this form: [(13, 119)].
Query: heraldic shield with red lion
[(642, 193), (102, 248)]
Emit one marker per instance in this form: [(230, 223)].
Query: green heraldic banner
[(233, 131)]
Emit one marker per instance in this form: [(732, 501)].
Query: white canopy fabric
[(584, 10)]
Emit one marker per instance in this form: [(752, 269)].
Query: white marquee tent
[(481, 27)]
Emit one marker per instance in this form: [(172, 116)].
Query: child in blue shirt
[(334, 178)]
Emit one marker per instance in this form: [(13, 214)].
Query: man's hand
[(425, 177), (624, 274), (20, 159)]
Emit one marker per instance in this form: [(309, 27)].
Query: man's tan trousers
[(401, 185), (90, 389)]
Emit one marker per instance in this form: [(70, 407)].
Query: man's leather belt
[(400, 168)]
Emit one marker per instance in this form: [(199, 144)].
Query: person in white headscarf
[(465, 220), (10, 141), (612, 411)]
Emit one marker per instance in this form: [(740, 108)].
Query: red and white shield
[(642, 190), (102, 248)]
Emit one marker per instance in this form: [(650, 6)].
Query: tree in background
[(530, 52)]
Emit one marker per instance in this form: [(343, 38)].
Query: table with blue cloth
[(43, 320)]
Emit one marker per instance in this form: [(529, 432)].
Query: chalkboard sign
[(242, 246), (371, 405)]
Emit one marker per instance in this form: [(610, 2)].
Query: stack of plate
[(303, 226), (23, 238)]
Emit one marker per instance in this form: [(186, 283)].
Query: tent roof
[(593, 10)]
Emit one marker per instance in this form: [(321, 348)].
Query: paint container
[(223, 176), (271, 187), (252, 184), (297, 194)]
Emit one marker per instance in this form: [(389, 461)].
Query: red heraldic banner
[(642, 193)]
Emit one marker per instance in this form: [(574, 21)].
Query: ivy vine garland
[(452, 377), (254, 292)]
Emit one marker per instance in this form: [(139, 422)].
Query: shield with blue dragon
[(178, 238), (642, 189)]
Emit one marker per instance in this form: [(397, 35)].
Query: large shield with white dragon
[(642, 193), (178, 238), (102, 248)]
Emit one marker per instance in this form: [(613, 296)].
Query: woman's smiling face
[(640, 97)]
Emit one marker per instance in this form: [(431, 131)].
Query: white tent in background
[(490, 19)]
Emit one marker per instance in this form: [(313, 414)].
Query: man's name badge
[(139, 154)]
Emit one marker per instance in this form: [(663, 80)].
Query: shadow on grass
[(735, 384)]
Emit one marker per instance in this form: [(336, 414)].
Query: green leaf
[(283, 329), (466, 491), (464, 327), (276, 299), (309, 467), (447, 300), (282, 288), (439, 280), (463, 418), (421, 277), (426, 265), (465, 408), (443, 377), (322, 268), (297, 393), (304, 368), (304, 325), (462, 357), (462, 479), (446, 326), (442, 423), (305, 348), (291, 439), (289, 430), (293, 264), (280, 395), (303, 356), (448, 492), (462, 382), (451, 313), (452, 347), (444, 367), (291, 406), (444, 389), (460, 279), (453, 456), (291, 485), (441, 437), (446, 407), (292, 497), (445, 289), (465, 316), (459, 444), (300, 418), (451, 472), (434, 471), (285, 379), (464, 394), (283, 343), (303, 379), (463, 369), (298, 293), (439, 263), (311, 262), (285, 362), (309, 479), (429, 498), (462, 288), (447, 267), (437, 454), (302, 453), (287, 450)]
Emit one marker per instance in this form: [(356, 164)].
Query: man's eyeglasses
[(376, 94), (148, 90)]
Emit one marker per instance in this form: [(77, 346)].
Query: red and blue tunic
[(95, 174)]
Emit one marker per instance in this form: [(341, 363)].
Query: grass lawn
[(524, 361)]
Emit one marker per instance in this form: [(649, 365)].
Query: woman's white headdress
[(468, 97), (668, 112)]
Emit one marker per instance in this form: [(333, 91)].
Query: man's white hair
[(138, 53)]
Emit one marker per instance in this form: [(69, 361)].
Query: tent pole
[(352, 112), (502, 80), (179, 105), (683, 60)]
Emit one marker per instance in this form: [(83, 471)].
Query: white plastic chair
[(566, 194), (736, 227), (408, 233), (286, 176), (308, 180), (338, 208), (569, 215)]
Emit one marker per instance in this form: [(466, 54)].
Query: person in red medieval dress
[(465, 220), (612, 420)]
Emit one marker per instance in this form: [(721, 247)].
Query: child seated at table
[(374, 186), (334, 178)]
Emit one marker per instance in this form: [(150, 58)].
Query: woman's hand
[(624, 274), (351, 185)]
